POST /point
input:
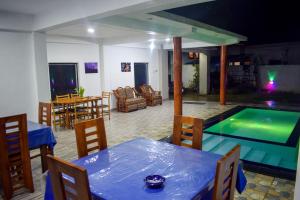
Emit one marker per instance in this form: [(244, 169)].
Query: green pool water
[(260, 124)]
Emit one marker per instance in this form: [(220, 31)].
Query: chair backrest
[(68, 180), (45, 113), (121, 92), (187, 128), (129, 92), (74, 95), (90, 136), (226, 174), (62, 97), (106, 97), (15, 167)]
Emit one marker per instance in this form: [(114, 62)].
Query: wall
[(187, 75), (286, 77), (77, 52), (17, 75)]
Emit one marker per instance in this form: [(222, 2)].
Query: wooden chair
[(75, 187), (44, 118), (15, 167), (62, 97), (226, 174), (58, 114), (45, 113), (105, 104), (188, 128), (88, 141), (74, 95), (80, 110)]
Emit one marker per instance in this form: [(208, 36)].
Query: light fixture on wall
[(91, 30), (168, 39)]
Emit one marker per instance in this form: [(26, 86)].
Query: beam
[(177, 60), (223, 63)]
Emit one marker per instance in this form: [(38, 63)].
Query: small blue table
[(41, 136), (118, 172)]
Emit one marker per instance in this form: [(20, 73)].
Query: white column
[(41, 66), (203, 74), (101, 66), (163, 73)]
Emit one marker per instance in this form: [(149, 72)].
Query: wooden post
[(177, 61), (223, 63)]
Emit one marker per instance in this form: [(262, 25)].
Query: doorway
[(140, 75), (63, 78)]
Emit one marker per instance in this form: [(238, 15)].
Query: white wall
[(77, 52), (115, 55), (187, 75), (17, 75)]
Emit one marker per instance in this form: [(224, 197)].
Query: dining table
[(41, 137), (68, 103), (118, 172)]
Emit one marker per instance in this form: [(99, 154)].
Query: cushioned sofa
[(152, 97), (128, 99)]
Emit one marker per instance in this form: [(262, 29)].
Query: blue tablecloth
[(118, 172), (39, 135)]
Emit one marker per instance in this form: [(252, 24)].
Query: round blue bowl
[(154, 181)]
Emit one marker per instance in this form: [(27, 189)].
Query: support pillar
[(223, 62), (177, 60)]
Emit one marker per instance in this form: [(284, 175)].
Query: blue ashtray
[(154, 181)]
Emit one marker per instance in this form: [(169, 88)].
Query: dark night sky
[(262, 21)]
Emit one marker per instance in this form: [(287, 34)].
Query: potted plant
[(80, 91)]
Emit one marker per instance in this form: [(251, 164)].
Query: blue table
[(41, 136), (118, 172)]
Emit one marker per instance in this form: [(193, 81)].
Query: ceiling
[(145, 28), (33, 7)]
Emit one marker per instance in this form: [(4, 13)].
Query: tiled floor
[(156, 123)]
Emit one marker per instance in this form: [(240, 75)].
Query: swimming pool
[(268, 138)]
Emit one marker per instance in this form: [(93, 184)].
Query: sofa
[(152, 97), (128, 99)]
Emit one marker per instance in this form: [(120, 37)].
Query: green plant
[(195, 82), (80, 90)]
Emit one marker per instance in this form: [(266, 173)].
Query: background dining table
[(95, 102), (41, 137), (118, 172)]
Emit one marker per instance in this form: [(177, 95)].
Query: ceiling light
[(168, 39), (151, 33), (91, 30)]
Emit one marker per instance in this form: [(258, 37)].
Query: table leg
[(44, 152), (68, 118)]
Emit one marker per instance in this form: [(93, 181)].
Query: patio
[(156, 123)]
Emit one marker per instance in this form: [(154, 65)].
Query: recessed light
[(151, 33), (91, 30)]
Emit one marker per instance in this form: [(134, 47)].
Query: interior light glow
[(91, 30), (168, 39), (151, 33), (152, 45)]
